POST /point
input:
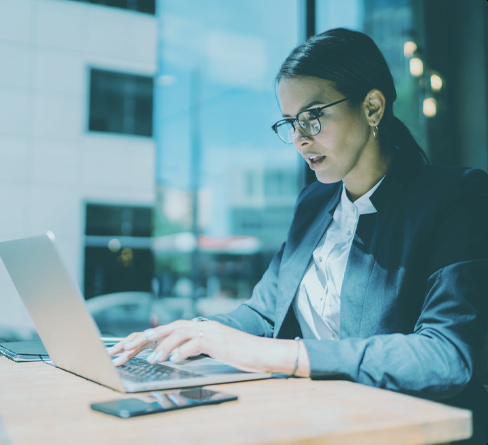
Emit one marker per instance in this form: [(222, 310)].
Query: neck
[(364, 179)]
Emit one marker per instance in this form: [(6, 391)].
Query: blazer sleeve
[(437, 359)]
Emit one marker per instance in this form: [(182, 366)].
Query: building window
[(120, 103), (146, 6), (118, 249)]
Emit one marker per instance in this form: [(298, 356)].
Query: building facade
[(57, 156)]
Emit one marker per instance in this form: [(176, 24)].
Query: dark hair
[(353, 62)]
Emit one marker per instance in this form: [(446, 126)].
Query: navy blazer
[(414, 296)]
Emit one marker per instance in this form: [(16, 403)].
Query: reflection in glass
[(221, 172)]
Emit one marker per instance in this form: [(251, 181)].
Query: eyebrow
[(306, 107)]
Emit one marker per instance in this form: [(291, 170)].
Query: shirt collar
[(363, 204)]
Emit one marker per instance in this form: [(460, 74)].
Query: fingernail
[(149, 333), (158, 356), (116, 360), (174, 356), (151, 356)]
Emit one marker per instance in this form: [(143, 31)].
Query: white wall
[(49, 164)]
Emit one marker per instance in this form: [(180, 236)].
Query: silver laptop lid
[(57, 308)]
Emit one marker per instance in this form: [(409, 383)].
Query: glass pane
[(118, 255), (389, 23), (146, 6), (116, 220), (120, 103), (222, 173)]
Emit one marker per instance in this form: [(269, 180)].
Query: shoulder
[(437, 182), (453, 201), (432, 195), (445, 175), (433, 181), (446, 184), (438, 214)]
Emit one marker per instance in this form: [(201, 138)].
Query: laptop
[(72, 338)]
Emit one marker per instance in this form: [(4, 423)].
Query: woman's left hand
[(181, 339)]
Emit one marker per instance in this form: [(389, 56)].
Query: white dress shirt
[(317, 303)]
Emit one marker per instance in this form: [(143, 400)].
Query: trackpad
[(203, 365)]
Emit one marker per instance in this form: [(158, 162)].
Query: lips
[(315, 161)]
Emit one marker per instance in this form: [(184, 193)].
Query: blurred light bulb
[(435, 82), (409, 48), (430, 107), (114, 245), (416, 66)]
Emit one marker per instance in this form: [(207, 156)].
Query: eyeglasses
[(308, 120)]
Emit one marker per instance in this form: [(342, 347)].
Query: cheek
[(353, 134), (344, 135)]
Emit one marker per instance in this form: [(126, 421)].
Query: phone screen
[(158, 402)]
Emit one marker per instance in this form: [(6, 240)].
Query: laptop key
[(138, 370)]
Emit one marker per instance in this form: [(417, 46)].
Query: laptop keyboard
[(139, 370)]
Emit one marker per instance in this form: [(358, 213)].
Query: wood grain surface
[(40, 404)]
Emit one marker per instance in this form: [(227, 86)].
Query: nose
[(301, 139)]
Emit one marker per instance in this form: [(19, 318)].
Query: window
[(389, 23), (146, 6), (118, 249), (120, 103), (113, 220), (215, 103)]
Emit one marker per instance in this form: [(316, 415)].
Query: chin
[(327, 178)]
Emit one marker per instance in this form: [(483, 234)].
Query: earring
[(375, 130)]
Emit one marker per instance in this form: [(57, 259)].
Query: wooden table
[(40, 404)]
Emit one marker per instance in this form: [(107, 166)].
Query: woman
[(383, 273)]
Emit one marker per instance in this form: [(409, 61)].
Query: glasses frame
[(315, 111)]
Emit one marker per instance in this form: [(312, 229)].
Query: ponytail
[(401, 137)]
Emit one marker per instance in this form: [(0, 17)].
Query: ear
[(374, 105)]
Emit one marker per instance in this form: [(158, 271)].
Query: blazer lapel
[(301, 243), (307, 230), (357, 276)]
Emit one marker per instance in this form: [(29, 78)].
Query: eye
[(313, 113)]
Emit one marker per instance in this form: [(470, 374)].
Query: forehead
[(298, 93)]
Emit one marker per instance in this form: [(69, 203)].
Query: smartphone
[(158, 402)]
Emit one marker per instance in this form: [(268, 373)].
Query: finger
[(123, 358), (127, 355), (119, 347), (142, 338), (188, 349), (153, 334), (148, 336), (168, 348)]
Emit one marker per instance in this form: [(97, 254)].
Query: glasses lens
[(285, 131), (309, 123)]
